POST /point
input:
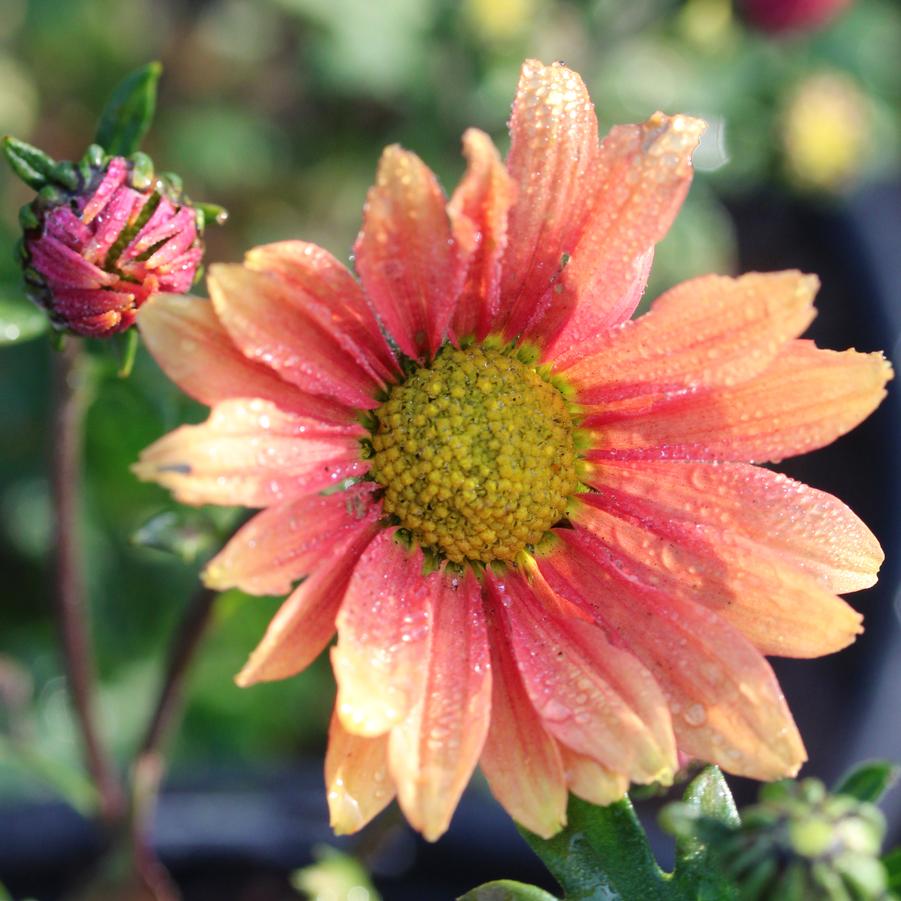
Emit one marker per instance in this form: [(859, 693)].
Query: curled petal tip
[(671, 136)]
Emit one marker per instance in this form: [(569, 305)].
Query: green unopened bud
[(800, 842)]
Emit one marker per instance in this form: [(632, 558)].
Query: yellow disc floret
[(476, 455)]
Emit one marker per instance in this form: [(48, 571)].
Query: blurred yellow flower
[(825, 132), (498, 20)]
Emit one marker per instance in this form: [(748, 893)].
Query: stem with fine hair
[(70, 399)]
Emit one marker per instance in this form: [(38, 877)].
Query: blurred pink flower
[(792, 15), (101, 251)]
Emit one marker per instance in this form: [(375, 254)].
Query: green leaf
[(868, 781), (603, 853), (892, 864), (71, 784), (507, 890), (709, 794), (707, 805), (129, 111), (33, 166), (20, 321)]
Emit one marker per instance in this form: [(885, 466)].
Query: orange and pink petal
[(410, 263), (433, 752), (194, 350), (331, 296), (478, 210), (305, 622), (806, 527), (358, 786), (804, 400), (593, 697), (553, 161), (285, 542), (384, 634), (643, 176), (520, 760), (726, 705), (780, 608), (587, 779), (707, 332), (271, 320), (250, 452)]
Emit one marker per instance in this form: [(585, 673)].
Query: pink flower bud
[(101, 250), (792, 15)]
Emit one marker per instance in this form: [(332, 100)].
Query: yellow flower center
[(476, 455)]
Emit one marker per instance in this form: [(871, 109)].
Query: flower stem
[(149, 765), (71, 396)]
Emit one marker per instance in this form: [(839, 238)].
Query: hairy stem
[(70, 393)]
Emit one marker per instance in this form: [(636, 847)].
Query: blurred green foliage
[(278, 109)]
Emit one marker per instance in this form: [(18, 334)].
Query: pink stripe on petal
[(706, 332), (111, 223), (250, 452), (325, 288), (178, 275), (520, 760), (726, 704), (194, 350), (114, 177), (478, 211), (284, 542), (78, 303), (356, 778), (62, 267), (644, 174), (100, 326), (553, 160), (410, 265), (305, 622), (433, 752), (265, 317), (61, 223), (384, 628), (184, 234), (594, 698), (806, 399), (154, 230)]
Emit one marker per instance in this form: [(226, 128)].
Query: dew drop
[(695, 715)]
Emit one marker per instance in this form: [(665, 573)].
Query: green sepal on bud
[(798, 842), (32, 165)]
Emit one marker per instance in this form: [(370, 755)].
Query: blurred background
[(278, 110)]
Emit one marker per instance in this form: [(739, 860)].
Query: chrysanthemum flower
[(95, 253), (533, 522)]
